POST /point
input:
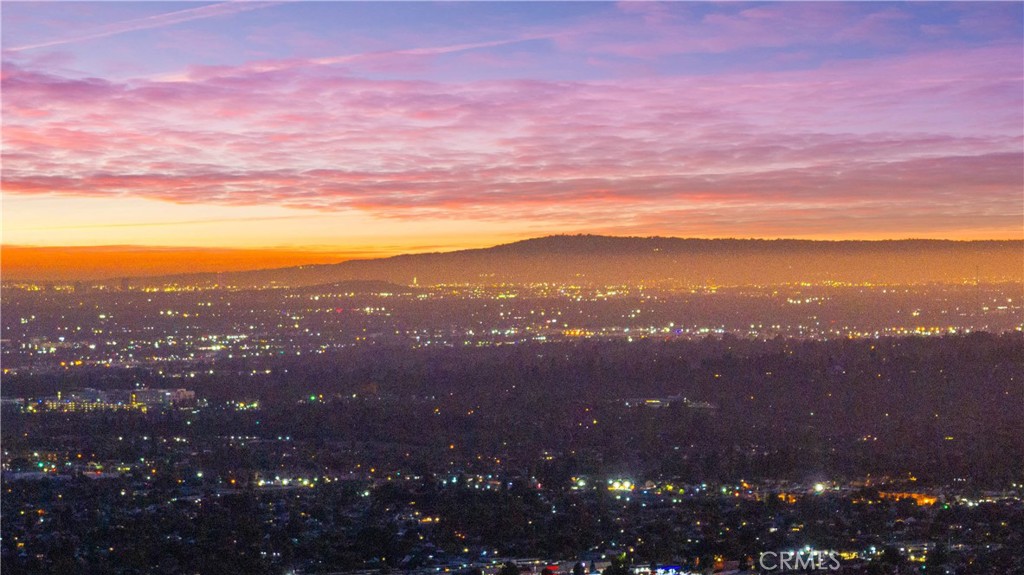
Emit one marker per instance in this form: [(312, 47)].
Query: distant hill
[(603, 260)]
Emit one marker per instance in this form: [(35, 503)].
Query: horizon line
[(339, 249), (222, 260)]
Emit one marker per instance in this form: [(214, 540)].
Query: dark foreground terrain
[(898, 454)]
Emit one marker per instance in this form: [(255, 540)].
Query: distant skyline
[(159, 137)]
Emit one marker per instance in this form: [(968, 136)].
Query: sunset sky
[(148, 137)]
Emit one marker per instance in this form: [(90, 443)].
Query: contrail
[(276, 65), (149, 22), (429, 51)]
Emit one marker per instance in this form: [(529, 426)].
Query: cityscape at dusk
[(512, 288)]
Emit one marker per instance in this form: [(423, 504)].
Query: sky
[(153, 137)]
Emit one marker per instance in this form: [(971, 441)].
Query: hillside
[(603, 260)]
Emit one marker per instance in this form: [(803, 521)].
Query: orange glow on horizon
[(71, 263), (104, 262)]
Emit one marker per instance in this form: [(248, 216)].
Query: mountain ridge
[(596, 259)]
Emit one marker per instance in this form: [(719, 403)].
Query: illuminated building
[(161, 397), (85, 400), (919, 498)]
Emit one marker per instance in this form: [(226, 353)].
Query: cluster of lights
[(620, 485)]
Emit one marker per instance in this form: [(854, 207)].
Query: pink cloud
[(923, 136)]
